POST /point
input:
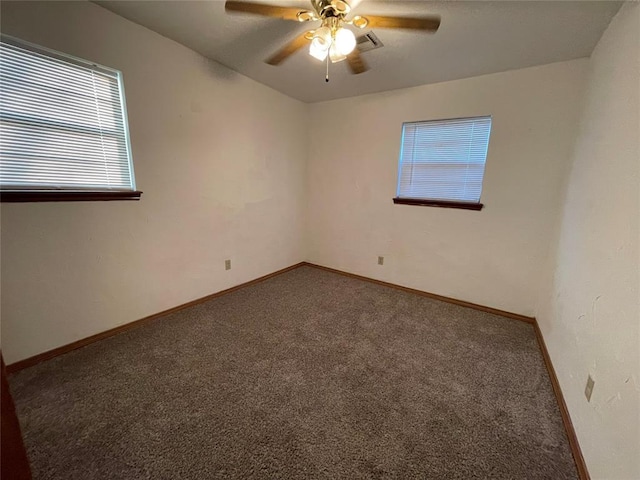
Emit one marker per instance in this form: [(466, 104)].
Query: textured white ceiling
[(475, 38)]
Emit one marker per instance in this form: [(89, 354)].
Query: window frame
[(430, 202), (85, 193)]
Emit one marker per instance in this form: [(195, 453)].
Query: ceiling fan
[(332, 40)]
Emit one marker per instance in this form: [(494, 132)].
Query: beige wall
[(221, 161), (491, 257), (590, 313)]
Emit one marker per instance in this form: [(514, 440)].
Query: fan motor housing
[(330, 8)]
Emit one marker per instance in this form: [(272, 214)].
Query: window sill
[(438, 203), (65, 196)]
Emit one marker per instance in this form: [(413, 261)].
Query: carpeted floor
[(309, 374)]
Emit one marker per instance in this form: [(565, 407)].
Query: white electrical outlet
[(380, 260), (227, 264), (588, 390)]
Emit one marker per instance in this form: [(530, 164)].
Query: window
[(63, 128), (442, 162)]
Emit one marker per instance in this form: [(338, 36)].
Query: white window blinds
[(444, 159), (63, 123)]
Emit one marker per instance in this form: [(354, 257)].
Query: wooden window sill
[(438, 203), (66, 196)]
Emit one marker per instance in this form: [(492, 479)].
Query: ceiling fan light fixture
[(335, 39)]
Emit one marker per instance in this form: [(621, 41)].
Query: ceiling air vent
[(368, 41)]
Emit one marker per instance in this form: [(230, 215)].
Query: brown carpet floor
[(309, 374)]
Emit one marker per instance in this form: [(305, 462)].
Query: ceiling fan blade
[(289, 49), (284, 13), (429, 24), (356, 63)]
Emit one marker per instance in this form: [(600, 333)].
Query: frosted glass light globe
[(323, 35), (345, 41), (335, 55), (320, 43), (318, 50)]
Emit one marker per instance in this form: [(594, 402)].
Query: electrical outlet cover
[(380, 260), (227, 264)]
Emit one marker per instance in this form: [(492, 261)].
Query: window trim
[(89, 193), (432, 202), (438, 203), (18, 196)]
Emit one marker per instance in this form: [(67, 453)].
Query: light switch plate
[(380, 260), (227, 264)]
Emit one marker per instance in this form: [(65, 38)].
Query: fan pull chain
[(326, 78)]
